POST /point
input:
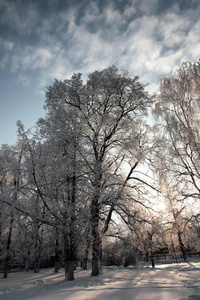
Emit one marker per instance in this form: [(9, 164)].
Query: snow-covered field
[(164, 282)]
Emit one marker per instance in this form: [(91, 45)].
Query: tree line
[(95, 170)]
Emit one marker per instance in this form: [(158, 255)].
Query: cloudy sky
[(41, 40)]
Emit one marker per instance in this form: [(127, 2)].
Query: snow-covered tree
[(10, 193), (83, 162), (109, 108), (178, 110)]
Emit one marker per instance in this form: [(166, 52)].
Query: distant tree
[(178, 109), (176, 220), (52, 170), (192, 234), (10, 184), (177, 152)]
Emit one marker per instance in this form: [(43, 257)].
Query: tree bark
[(84, 262), (95, 250), (95, 266), (71, 253), (69, 256), (37, 255), (6, 262), (70, 270), (181, 246), (27, 262), (57, 257), (87, 246), (96, 242)]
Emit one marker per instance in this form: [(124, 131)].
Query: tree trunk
[(57, 257), (147, 256), (95, 251), (70, 270), (100, 254), (0, 235), (88, 242), (70, 238), (84, 263), (57, 266), (69, 257), (72, 257), (27, 262), (95, 220), (37, 261), (181, 246), (95, 267), (6, 262), (66, 268), (5, 269), (37, 247), (36, 267)]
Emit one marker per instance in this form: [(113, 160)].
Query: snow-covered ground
[(164, 282)]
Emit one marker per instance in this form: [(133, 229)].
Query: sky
[(41, 40)]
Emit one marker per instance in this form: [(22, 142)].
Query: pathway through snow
[(165, 282)]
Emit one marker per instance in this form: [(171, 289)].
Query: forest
[(110, 173)]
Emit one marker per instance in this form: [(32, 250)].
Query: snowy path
[(165, 282)]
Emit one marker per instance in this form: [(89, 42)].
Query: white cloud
[(112, 16), (147, 7), (92, 13), (173, 29), (129, 11), (21, 18), (156, 44), (36, 58), (148, 46), (8, 45), (192, 42)]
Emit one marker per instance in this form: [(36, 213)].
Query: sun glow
[(161, 206)]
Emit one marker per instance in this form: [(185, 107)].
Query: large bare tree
[(110, 108)]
